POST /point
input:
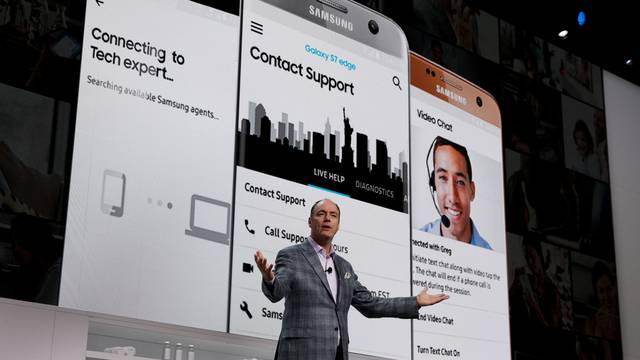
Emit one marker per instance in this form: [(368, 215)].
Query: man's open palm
[(265, 268), (425, 299)]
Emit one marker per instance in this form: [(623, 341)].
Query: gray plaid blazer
[(312, 319)]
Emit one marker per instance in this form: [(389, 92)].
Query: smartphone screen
[(323, 113), (149, 219), (458, 223)]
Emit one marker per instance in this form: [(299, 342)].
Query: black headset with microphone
[(432, 185)]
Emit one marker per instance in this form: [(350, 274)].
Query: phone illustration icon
[(113, 189), (246, 225)]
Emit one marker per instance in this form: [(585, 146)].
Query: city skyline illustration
[(327, 142), (273, 146)]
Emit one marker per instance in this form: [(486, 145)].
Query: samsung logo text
[(330, 18), (451, 95)]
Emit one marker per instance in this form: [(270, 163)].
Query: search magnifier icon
[(396, 82)]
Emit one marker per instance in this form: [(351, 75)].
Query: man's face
[(605, 291), (324, 222), (582, 146), (534, 261), (454, 190)]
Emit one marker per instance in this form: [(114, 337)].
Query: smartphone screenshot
[(458, 223), (323, 113), (149, 215)]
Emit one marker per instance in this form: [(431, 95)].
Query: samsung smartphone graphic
[(323, 113), (149, 215), (113, 185), (458, 223)]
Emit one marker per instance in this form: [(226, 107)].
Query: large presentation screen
[(320, 116), (149, 218), (458, 224)]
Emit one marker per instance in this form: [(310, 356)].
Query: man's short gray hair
[(313, 207)]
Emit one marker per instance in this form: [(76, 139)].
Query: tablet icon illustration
[(210, 219), (114, 184)]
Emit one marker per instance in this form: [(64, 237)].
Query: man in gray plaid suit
[(319, 287)]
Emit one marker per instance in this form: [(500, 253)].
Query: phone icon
[(113, 189), (246, 225)]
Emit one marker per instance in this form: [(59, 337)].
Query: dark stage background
[(560, 242)]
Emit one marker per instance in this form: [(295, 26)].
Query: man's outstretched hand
[(265, 268), (425, 299)]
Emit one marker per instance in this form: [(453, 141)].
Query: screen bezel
[(489, 111), (392, 42), (390, 38)]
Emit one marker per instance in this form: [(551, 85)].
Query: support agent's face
[(324, 222), (581, 143), (455, 192), (534, 261), (605, 292)]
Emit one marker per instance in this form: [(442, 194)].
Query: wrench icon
[(244, 307)]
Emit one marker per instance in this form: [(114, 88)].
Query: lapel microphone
[(329, 270)]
